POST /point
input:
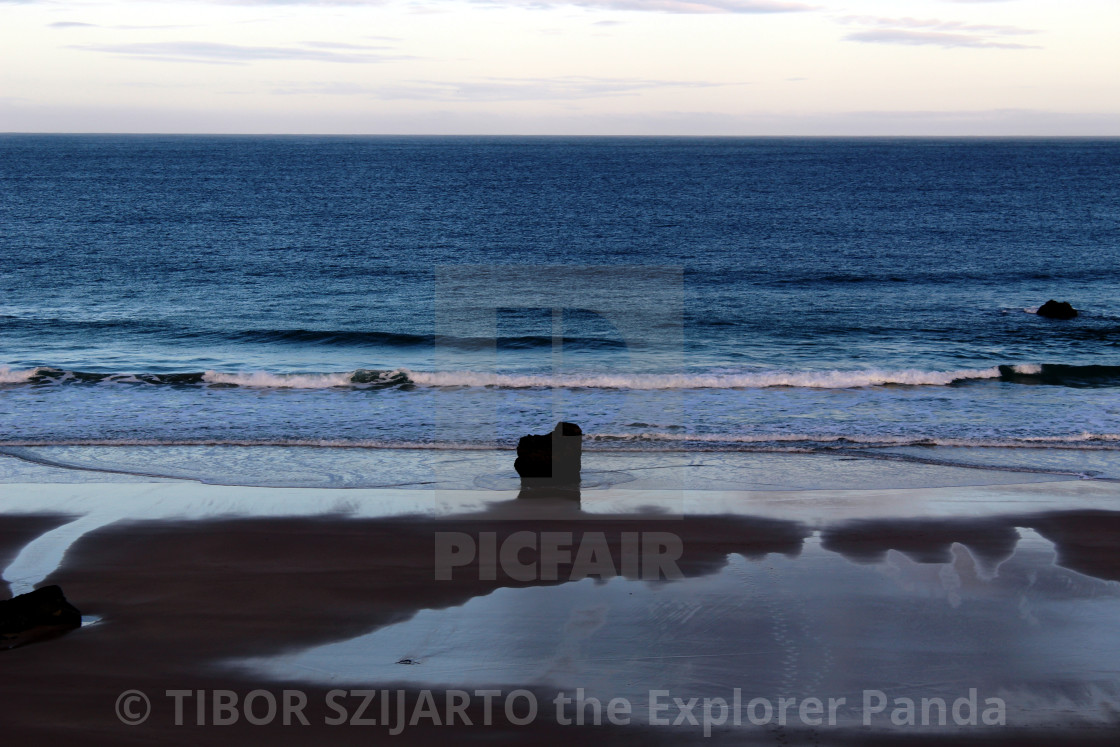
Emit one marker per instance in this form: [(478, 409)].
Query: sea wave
[(360, 338), (342, 338), (1031, 373), (265, 380), (751, 380), (8, 376)]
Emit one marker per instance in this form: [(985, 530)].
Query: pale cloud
[(936, 24), (498, 89), (671, 6), (935, 32), (640, 6), (646, 6), (237, 54), (117, 27), (936, 38), (342, 45)]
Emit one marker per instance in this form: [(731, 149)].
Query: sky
[(562, 67)]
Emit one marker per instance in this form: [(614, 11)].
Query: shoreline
[(310, 466)]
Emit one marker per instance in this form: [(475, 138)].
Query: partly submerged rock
[(551, 460), (42, 613), (1057, 310)]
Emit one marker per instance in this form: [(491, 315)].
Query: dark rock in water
[(1057, 310), (42, 613), (552, 459)]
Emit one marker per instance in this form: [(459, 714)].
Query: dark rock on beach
[(1057, 310), (553, 459), (43, 613)]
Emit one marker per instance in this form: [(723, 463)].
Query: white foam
[(1029, 369), (1075, 438), (8, 376), (831, 379), (263, 379), (754, 380)]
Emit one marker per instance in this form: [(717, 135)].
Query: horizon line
[(848, 136)]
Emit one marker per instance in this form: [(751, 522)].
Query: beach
[(1000, 591), (842, 480)]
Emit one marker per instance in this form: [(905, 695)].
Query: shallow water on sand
[(1038, 636), (492, 469)]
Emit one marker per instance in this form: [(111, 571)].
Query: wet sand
[(16, 532), (1013, 590)]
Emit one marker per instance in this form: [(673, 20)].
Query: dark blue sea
[(665, 294)]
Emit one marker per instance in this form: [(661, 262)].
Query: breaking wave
[(1049, 374)]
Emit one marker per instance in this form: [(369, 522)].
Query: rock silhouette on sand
[(39, 614), (1057, 310), (552, 460)]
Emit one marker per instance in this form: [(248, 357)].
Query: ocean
[(867, 297)]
